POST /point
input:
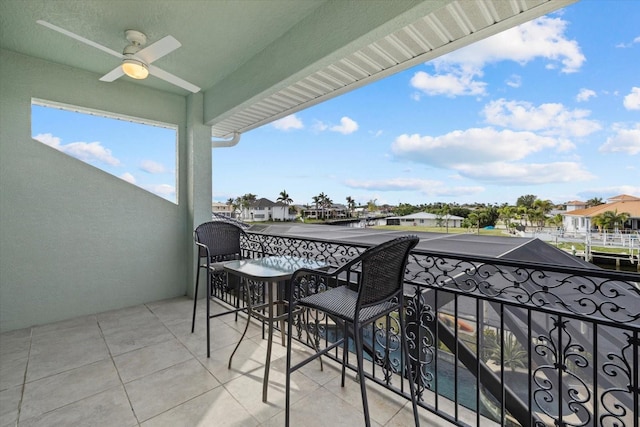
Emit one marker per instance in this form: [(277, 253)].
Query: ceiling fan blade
[(79, 38), (112, 75), (158, 49), (168, 77)]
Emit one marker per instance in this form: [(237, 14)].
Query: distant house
[(579, 219), (222, 209), (575, 205), (266, 210), (335, 211), (425, 219)]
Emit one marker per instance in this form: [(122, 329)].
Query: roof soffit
[(359, 51)]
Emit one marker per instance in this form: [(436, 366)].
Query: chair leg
[(208, 297), (358, 338), (249, 314), (407, 360), (345, 351), (287, 387), (195, 296)]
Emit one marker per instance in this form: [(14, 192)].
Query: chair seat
[(341, 302)]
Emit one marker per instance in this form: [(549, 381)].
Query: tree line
[(528, 211)]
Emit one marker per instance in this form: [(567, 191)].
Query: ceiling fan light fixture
[(135, 69)]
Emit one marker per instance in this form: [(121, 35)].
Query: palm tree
[(321, 200), (613, 219), (351, 205), (557, 220), (475, 218), (443, 213), (371, 205), (540, 211), (284, 198), (507, 213), (246, 201), (523, 212), (594, 201), (599, 222), (231, 202), (326, 203)]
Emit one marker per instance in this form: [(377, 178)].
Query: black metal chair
[(358, 293), (219, 241)]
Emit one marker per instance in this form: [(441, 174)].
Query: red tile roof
[(622, 203)]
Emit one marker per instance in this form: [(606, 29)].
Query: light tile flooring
[(142, 366)]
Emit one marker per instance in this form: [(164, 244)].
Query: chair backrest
[(221, 238), (383, 268)]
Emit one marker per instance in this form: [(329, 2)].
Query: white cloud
[(584, 95), (625, 140), (89, 152), (475, 145), (526, 174), (150, 166), (490, 155), (514, 81), (424, 186), (453, 84), (128, 177), (541, 38), (48, 139), (610, 191), (346, 126), (549, 119), (319, 126), (625, 45), (457, 72), (162, 189), (632, 101), (288, 123)]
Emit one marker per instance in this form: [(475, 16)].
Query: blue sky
[(550, 108), (141, 154)]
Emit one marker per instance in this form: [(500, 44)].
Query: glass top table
[(275, 270)]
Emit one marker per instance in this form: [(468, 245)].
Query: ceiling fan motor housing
[(135, 37)]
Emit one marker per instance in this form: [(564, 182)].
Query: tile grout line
[(222, 384), (113, 362), (24, 378), (195, 357)]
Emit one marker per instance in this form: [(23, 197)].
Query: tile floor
[(142, 366)]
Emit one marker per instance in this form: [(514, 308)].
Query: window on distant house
[(141, 152)]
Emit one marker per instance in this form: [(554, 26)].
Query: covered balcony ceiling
[(257, 61)]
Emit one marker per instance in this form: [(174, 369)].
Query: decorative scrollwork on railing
[(312, 322), (562, 393), (386, 345), (332, 253), (580, 329), (620, 367), (420, 318), (554, 289)]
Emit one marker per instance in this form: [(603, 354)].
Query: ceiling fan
[(136, 59)]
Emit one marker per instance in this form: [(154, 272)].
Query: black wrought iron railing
[(501, 342)]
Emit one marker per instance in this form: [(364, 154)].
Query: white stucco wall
[(75, 240)]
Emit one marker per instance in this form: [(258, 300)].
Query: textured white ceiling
[(257, 61)]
